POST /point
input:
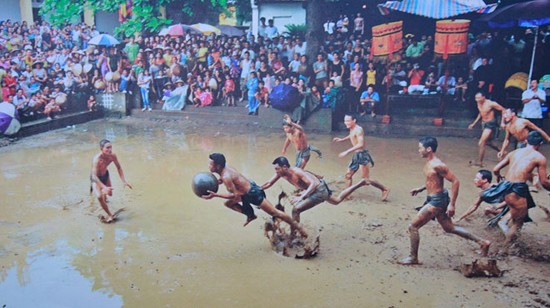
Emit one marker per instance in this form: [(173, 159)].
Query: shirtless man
[(314, 190), (514, 188), (101, 182), (437, 205), (489, 124), (518, 128), (295, 134), (483, 181), (361, 157), (242, 189)]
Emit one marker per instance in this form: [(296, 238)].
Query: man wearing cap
[(514, 188), (532, 99), (241, 189)]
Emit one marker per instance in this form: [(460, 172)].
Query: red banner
[(451, 37), (387, 38)]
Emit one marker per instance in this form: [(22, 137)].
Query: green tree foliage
[(146, 14), (295, 30)]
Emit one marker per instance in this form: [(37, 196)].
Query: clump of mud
[(284, 242)]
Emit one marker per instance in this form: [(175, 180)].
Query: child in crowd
[(126, 81), (337, 79), (92, 104), (460, 90), (166, 92), (229, 91), (144, 83), (262, 94)]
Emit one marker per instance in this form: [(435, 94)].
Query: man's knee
[(413, 229), (349, 175)]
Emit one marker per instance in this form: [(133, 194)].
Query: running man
[(241, 189), (361, 157), (295, 134), (519, 129), (314, 190), (438, 204), (101, 182), (488, 122), (514, 188)]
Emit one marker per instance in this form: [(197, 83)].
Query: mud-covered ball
[(203, 182)]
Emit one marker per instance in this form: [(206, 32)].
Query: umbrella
[(103, 40), (9, 125), (525, 14), (178, 30), (230, 30), (206, 29), (437, 9)]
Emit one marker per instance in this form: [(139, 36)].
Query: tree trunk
[(314, 23)]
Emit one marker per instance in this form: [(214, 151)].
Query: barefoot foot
[(249, 219), (385, 194), (485, 248), (409, 261)]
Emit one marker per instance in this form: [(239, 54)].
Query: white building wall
[(282, 14), (9, 9), (106, 21)]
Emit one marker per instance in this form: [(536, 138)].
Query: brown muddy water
[(172, 249)]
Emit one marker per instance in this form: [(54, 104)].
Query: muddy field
[(170, 248)]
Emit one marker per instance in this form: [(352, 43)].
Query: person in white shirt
[(532, 99), (271, 31), (300, 47)]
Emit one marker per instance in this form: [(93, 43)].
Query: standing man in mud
[(313, 189), (241, 189), (295, 134), (438, 205), (489, 124), (101, 182), (514, 188), (519, 129), (361, 157)]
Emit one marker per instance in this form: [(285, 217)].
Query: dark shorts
[(102, 178), (492, 125), (360, 158), (440, 200), (306, 153), (321, 193), (254, 196), (496, 193)]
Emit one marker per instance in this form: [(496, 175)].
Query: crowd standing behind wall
[(42, 68)]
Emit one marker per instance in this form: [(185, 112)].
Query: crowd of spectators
[(42, 67)]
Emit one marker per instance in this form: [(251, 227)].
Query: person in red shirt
[(276, 65), (262, 94), (229, 90)]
